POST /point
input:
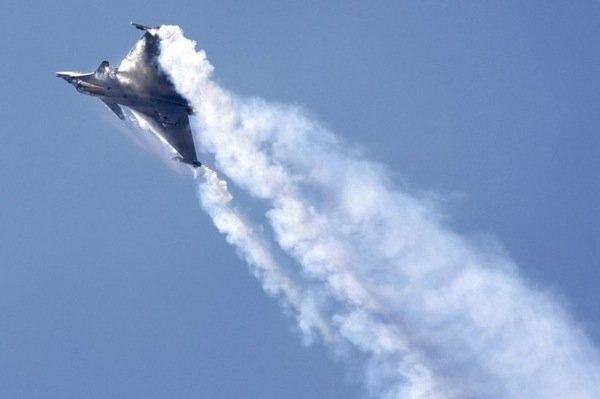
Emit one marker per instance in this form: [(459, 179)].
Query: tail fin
[(143, 27)]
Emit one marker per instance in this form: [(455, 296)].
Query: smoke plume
[(366, 267)]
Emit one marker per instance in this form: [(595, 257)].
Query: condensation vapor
[(370, 268)]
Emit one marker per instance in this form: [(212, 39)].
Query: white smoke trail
[(435, 315), (215, 200)]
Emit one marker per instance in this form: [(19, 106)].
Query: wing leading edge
[(178, 135), (114, 107)]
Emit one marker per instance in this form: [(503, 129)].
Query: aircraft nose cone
[(64, 76)]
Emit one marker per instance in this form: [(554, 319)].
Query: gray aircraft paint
[(139, 84)]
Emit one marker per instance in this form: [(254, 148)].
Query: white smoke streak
[(435, 315), (215, 200)]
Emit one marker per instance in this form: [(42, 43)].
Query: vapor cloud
[(369, 267)]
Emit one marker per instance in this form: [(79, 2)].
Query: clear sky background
[(114, 284)]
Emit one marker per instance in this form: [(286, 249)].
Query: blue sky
[(113, 283)]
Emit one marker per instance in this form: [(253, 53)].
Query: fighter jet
[(140, 85)]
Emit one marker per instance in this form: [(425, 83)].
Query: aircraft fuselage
[(145, 89), (110, 89)]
